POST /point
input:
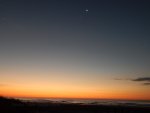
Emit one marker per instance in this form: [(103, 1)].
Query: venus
[(86, 10)]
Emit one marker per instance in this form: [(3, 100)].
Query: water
[(92, 101)]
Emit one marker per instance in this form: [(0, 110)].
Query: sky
[(75, 49)]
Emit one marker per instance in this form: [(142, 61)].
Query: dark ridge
[(4, 100), (9, 105)]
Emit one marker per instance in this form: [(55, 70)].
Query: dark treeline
[(8, 105)]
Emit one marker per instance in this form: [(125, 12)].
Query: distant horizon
[(19, 97)]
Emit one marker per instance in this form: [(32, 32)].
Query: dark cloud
[(146, 83), (142, 79)]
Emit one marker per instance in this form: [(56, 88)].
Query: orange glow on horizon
[(65, 86), (110, 95)]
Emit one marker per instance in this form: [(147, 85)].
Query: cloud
[(145, 80), (142, 79), (146, 83)]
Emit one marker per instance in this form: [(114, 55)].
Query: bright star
[(86, 10)]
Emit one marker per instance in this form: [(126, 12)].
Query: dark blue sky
[(111, 38)]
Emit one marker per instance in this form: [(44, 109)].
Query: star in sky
[(86, 10)]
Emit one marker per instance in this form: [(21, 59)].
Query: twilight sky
[(75, 48)]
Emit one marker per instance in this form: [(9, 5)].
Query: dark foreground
[(17, 106)]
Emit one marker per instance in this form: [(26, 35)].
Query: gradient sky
[(75, 48)]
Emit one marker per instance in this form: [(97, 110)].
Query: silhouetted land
[(18, 106)]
